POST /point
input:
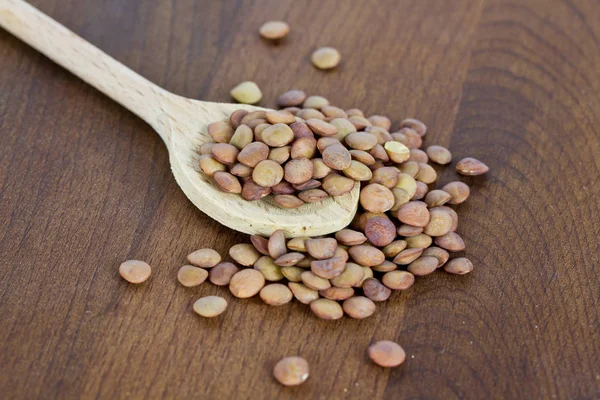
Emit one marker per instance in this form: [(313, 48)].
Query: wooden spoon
[(182, 125)]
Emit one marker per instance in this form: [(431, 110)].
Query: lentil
[(326, 309), (291, 371), (135, 271), (221, 274), (190, 276), (247, 93), (210, 306), (276, 294), (325, 58), (274, 30), (246, 283), (386, 354), (471, 167)]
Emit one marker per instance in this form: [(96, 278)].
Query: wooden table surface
[(85, 185)]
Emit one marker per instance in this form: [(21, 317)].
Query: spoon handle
[(89, 63)]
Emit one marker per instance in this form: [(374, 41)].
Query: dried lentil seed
[(221, 274), (382, 135), (301, 130), (471, 167), (376, 198), (350, 237), (421, 191), (220, 131), (451, 241), (326, 309), (439, 253), (325, 58), (298, 171), (291, 371), (308, 185), (360, 123), (409, 230), (439, 154), (320, 127), (244, 254), (269, 270), (227, 182), (241, 170), (246, 93), (351, 276), (359, 307), (251, 191), (280, 117), (386, 354), (336, 293), (426, 174), (289, 259), (385, 266), (313, 281), (415, 124), (337, 185), (397, 152), (379, 154), (261, 244), (210, 306), (398, 280), (292, 273), (421, 241), (322, 248), (278, 135), (313, 195), (344, 128), (280, 154), (392, 249), (375, 290), (316, 102), (459, 266), (366, 256), (291, 98), (310, 113), (135, 271), (333, 112), (400, 198), (423, 266), (209, 165), (190, 276), (410, 168), (361, 140), (380, 231), (437, 197), (362, 157), (329, 268), (297, 244), (246, 283), (225, 153), (386, 176), (304, 147), (267, 173), (303, 293), (254, 153), (325, 142), (439, 224), (418, 155), (276, 244), (408, 183), (459, 192), (274, 30), (414, 213), (407, 256), (358, 171), (206, 148), (276, 294), (368, 274), (204, 258)]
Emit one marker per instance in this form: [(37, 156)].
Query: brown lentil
[(409, 230), (135, 271), (351, 276), (244, 254), (421, 241), (280, 154), (206, 148), (326, 309), (386, 354), (379, 154), (392, 249), (292, 274), (376, 198), (380, 231), (358, 171), (303, 293), (336, 293), (359, 307), (437, 197), (375, 291), (414, 213), (459, 266), (209, 165), (337, 157), (450, 241), (190, 276), (309, 184), (329, 268), (267, 267), (386, 176), (397, 152), (310, 113), (274, 30), (439, 253), (344, 128), (421, 191), (423, 266), (276, 294), (366, 256), (240, 170), (246, 283), (304, 147), (337, 185), (313, 281), (289, 259), (325, 58), (362, 157), (350, 237), (398, 280), (313, 195), (227, 182), (280, 117), (267, 173), (253, 154), (204, 258), (220, 131), (251, 191), (459, 192), (291, 371), (407, 256), (246, 93), (291, 98), (222, 273), (317, 102), (385, 266), (439, 224), (210, 306), (410, 168), (418, 156), (471, 167), (426, 174)]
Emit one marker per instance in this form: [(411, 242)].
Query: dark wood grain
[(84, 185)]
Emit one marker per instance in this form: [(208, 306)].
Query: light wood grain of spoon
[(182, 125)]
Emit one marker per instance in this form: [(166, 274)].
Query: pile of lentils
[(304, 155), (310, 150)]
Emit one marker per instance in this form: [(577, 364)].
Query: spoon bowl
[(181, 123)]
